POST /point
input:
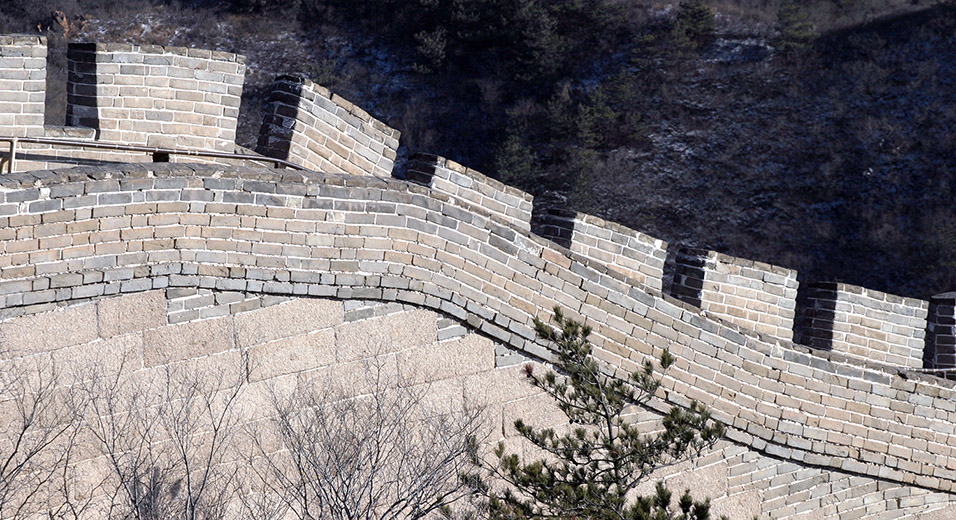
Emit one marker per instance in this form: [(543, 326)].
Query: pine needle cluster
[(593, 470)]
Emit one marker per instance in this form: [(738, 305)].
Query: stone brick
[(292, 355), (131, 313), (48, 331), (101, 358), (187, 340), (294, 318)]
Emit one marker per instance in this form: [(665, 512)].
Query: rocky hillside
[(821, 138)]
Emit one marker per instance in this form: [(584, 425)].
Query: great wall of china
[(830, 407)]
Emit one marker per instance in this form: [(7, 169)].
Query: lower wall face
[(325, 340)]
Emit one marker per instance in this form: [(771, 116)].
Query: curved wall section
[(77, 234)]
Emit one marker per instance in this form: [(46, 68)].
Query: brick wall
[(92, 232), (308, 125), (472, 188), (864, 323), (754, 295), (22, 85), (638, 256), (169, 97)]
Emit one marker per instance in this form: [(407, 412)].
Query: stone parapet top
[(737, 261), (870, 293), (22, 39), (99, 48), (345, 104), (449, 164)]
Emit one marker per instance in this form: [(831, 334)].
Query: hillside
[(835, 158)]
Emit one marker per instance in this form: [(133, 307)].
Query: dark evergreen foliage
[(794, 30), (695, 23), (592, 471)]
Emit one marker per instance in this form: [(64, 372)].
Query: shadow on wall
[(281, 108), (81, 97), (816, 313)]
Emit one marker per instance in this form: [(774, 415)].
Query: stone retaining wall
[(288, 339), (306, 124)]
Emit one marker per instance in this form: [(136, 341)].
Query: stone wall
[(754, 295), (169, 97), (92, 254), (475, 190), (306, 124), (315, 339), (22, 85), (866, 324), (638, 256), (77, 235)]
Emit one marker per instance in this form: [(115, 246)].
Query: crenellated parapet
[(866, 324), (754, 295), (637, 256), (170, 97), (22, 85), (307, 124)]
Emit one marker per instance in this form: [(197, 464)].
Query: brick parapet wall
[(84, 233), (149, 95), (307, 124), (751, 294), (22, 85), (866, 324), (637, 256), (474, 189)]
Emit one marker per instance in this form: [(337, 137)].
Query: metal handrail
[(135, 148)]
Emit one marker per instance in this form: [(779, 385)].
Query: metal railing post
[(13, 155)]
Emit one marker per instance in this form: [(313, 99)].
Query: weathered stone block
[(292, 355), (187, 340), (48, 331), (131, 313), (294, 318), (384, 335)]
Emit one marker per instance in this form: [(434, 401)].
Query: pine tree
[(794, 30), (591, 472), (695, 23)]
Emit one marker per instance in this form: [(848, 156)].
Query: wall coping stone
[(22, 39), (99, 48)]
